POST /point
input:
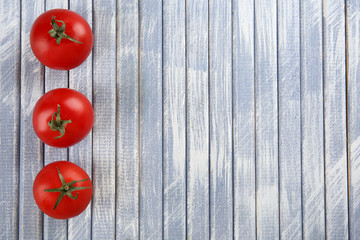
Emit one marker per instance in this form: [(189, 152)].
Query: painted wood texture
[(127, 114), (312, 121), (174, 120), (151, 120), (213, 120), (289, 119), (243, 74), (266, 117), (10, 117), (197, 122), (104, 137), (335, 120), (353, 78), (31, 149), (220, 89)]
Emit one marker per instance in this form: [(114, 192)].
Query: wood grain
[(353, 78), (31, 149), (244, 120), (313, 188), (289, 119), (335, 120), (80, 79), (220, 83), (127, 109), (151, 159), (9, 117), (198, 139), (266, 86), (174, 120), (104, 137)]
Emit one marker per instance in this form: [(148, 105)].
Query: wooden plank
[(353, 78), (127, 113), (289, 119), (198, 213), (104, 101), (220, 83), (266, 120), (80, 79), (151, 120), (174, 119), (335, 120), (244, 120), (31, 148), (313, 194), (55, 229), (9, 120)]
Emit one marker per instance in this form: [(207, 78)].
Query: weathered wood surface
[(336, 174), (10, 117), (197, 122), (289, 93), (312, 121), (353, 76), (174, 119), (104, 137), (213, 120), (266, 120), (127, 126), (244, 119)]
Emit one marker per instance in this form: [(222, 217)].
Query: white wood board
[(31, 148), (312, 119), (244, 119), (266, 93), (9, 116), (174, 120), (353, 127), (151, 109), (104, 130), (198, 212), (220, 90), (336, 172), (289, 119), (127, 122)]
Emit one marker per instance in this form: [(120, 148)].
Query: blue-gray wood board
[(214, 119)]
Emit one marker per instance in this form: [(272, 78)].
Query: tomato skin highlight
[(66, 55), (74, 106), (48, 178)]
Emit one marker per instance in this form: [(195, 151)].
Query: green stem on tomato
[(58, 124), (66, 189), (59, 32)]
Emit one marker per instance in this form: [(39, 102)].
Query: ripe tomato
[(62, 117), (62, 190), (61, 39)]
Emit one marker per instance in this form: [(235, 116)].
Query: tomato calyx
[(59, 32), (58, 124), (66, 189)]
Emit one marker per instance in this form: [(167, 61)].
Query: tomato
[(61, 39), (62, 117), (62, 190)]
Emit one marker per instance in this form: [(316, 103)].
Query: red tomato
[(61, 39), (62, 117), (62, 190)]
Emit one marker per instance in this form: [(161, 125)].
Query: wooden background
[(214, 119)]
